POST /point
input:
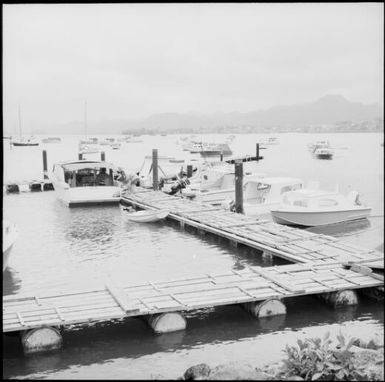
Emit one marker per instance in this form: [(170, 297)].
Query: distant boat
[(321, 149), (310, 208), (144, 216), (24, 141), (51, 140), (10, 234)]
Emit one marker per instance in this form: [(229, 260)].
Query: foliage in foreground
[(314, 359)]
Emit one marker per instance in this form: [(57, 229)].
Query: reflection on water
[(61, 248)]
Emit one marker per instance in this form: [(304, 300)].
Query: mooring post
[(80, 156), (238, 187), (221, 156), (103, 156), (257, 152), (45, 167), (189, 171), (155, 169)]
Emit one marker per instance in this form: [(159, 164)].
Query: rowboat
[(144, 216)]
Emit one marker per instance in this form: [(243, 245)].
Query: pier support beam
[(238, 187), (189, 171), (167, 322), (267, 308), (340, 298), (41, 339), (155, 182), (45, 166)]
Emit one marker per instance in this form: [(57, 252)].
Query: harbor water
[(69, 249)]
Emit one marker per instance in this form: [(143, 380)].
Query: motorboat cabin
[(260, 195), (87, 182)]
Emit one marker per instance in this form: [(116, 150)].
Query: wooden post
[(103, 156), (155, 182), (189, 171), (80, 156), (238, 187), (257, 152), (221, 156), (45, 167)]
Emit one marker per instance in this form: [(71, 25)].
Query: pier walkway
[(296, 245), (323, 265), (248, 285)]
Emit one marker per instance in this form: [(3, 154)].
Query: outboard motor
[(179, 185)]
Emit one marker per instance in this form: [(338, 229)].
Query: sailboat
[(23, 141), (88, 145)]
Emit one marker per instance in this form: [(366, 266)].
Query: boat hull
[(9, 238), (83, 196), (144, 216), (25, 144), (318, 218)]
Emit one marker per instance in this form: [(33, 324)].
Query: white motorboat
[(144, 216), (214, 184), (85, 182), (321, 149), (310, 208), (24, 141), (262, 194), (10, 234)]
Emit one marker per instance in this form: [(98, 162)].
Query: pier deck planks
[(234, 287)]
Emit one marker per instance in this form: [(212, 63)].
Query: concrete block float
[(340, 298), (267, 308), (41, 339), (167, 322)]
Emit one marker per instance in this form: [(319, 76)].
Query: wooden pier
[(296, 245), (251, 284), (324, 266)]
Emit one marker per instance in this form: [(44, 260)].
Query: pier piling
[(45, 166), (155, 182), (221, 156), (80, 156), (103, 156), (238, 187), (189, 171)]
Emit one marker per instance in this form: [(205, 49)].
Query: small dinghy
[(144, 216)]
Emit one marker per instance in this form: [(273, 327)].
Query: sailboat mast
[(19, 122), (85, 118)]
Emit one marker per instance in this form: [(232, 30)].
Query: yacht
[(321, 149), (84, 182)]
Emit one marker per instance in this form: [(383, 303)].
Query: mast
[(85, 118), (19, 122)]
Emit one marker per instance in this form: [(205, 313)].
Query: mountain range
[(329, 109)]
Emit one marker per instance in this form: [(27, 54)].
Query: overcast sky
[(132, 60)]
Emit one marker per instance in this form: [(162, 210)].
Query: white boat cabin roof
[(310, 193), (81, 164)]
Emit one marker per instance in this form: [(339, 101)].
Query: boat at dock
[(85, 182), (10, 234), (261, 195), (310, 208), (214, 184), (143, 216), (25, 142)]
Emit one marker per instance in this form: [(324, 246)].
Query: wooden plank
[(120, 298), (268, 276)]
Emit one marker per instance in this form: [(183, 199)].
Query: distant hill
[(329, 109)]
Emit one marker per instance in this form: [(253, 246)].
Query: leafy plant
[(315, 359)]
